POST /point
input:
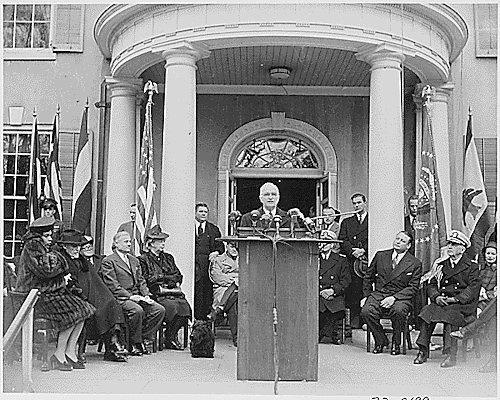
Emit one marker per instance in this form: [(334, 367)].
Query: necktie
[(360, 218), (200, 230), (394, 262)]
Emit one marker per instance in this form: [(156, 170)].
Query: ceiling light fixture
[(279, 73)]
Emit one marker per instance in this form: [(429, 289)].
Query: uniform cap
[(459, 238)]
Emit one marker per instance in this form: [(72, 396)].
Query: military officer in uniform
[(454, 290), (49, 209), (334, 278)]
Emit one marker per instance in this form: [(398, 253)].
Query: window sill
[(29, 55)]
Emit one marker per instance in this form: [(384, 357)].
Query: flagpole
[(31, 181)]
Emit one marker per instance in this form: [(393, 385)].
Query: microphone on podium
[(254, 217), (234, 217), (277, 219), (294, 214), (266, 220)]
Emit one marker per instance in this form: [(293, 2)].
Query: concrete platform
[(345, 372)]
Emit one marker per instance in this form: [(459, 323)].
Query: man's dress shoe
[(395, 349), (135, 351), (118, 349), (112, 356), (173, 345), (378, 349), (448, 362), (144, 347), (421, 358), (336, 341)]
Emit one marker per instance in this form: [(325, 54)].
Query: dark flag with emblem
[(475, 216), (146, 212), (430, 229), (34, 188)]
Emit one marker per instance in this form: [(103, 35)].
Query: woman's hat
[(87, 239), (490, 245), (156, 233), (42, 224), (71, 236)]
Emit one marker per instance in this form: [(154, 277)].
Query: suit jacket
[(246, 220), (409, 229), (402, 282), (123, 281), (353, 234), (333, 274), (211, 233)]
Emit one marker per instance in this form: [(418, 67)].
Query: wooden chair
[(42, 328), (463, 347), (406, 332), (160, 336)]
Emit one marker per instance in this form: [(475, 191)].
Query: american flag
[(430, 229), (34, 189), (53, 187), (146, 212)]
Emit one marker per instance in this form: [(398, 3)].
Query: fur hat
[(42, 224)]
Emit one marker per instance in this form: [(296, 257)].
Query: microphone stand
[(277, 220)]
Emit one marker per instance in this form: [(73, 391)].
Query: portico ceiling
[(310, 66)]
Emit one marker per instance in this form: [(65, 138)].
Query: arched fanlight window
[(286, 153)]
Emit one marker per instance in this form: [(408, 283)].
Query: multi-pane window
[(486, 29), (16, 163), (276, 152), (26, 26)]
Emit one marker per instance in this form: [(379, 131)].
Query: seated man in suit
[(334, 278), (121, 272), (269, 197), (453, 289), (396, 275), (224, 274)]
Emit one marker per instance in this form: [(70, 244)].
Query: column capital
[(443, 92), (124, 87), (381, 56), (182, 52)]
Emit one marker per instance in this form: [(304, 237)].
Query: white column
[(440, 133), (121, 158), (385, 155), (417, 99), (178, 187)]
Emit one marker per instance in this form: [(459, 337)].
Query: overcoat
[(461, 282), (202, 252), (162, 270), (488, 279), (333, 274), (223, 272), (108, 311)]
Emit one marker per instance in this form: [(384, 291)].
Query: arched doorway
[(292, 153)]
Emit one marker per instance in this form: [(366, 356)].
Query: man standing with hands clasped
[(396, 275)]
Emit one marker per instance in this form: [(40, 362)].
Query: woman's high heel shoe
[(61, 366), (75, 364)]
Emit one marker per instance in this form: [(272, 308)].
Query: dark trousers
[(329, 323), (353, 295), (143, 319), (424, 338), (229, 304), (173, 327), (203, 297), (372, 312), (487, 315)]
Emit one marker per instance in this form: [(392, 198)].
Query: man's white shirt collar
[(399, 256)]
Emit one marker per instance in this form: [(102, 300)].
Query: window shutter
[(486, 26), (68, 28)]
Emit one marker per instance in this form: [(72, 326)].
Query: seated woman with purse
[(164, 280)]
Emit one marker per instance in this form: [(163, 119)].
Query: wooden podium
[(297, 294)]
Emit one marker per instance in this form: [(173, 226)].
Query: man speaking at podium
[(269, 197)]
